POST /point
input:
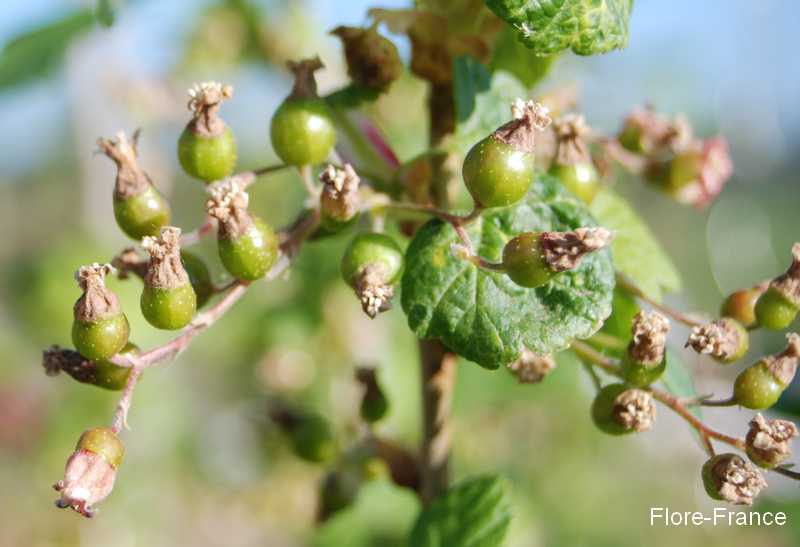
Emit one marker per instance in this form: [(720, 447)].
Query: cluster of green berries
[(690, 170)]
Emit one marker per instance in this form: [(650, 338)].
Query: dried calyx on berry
[(100, 328), (726, 340), (371, 265), (168, 298), (644, 362), (102, 373), (729, 477), (247, 246), (207, 148), (374, 404), (767, 441), (339, 201), (645, 131), (531, 368), (573, 163), (778, 306), (140, 210), (498, 170), (372, 60), (760, 385), (618, 410), (302, 129), (90, 471), (532, 259)]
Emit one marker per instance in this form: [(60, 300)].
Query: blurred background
[(204, 466)]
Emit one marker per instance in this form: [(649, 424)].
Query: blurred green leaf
[(351, 97), (585, 26), (105, 12), (636, 251), (678, 381), (511, 55), (619, 323), (484, 316), (482, 100), (474, 513), (35, 54)]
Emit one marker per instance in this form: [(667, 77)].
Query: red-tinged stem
[(628, 285)]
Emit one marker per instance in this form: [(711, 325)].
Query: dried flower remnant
[(768, 441), (565, 250), (531, 368)]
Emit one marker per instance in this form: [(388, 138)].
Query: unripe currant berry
[(532, 259), (140, 209), (499, 169), (248, 247), (90, 471), (645, 131), (741, 305), (767, 441), (756, 387), (697, 172), (302, 129), (774, 311), (374, 404), (168, 300), (728, 477), (726, 340), (573, 164), (199, 277), (339, 203), (371, 264), (110, 376), (618, 409), (644, 362), (206, 148), (313, 440), (760, 385), (102, 373), (103, 442), (372, 60), (100, 329)]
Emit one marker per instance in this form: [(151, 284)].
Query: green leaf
[(511, 55), (351, 96), (482, 315), (473, 513), (482, 100), (37, 53), (678, 381), (105, 12), (585, 26), (637, 253)]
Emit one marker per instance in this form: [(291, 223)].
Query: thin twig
[(120, 419), (786, 472), (628, 285), (588, 354), (307, 176), (193, 237)]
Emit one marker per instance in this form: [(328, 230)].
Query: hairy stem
[(680, 317)]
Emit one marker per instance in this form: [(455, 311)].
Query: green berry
[(110, 376), (774, 311), (641, 374), (104, 442), (199, 277), (743, 338), (207, 158), (101, 339), (372, 249), (302, 131), (332, 225), (757, 388), (312, 439), (496, 173), (603, 410), (682, 170), (143, 214), (580, 179), (740, 305), (169, 308), (524, 261), (338, 492), (374, 408), (250, 255)]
